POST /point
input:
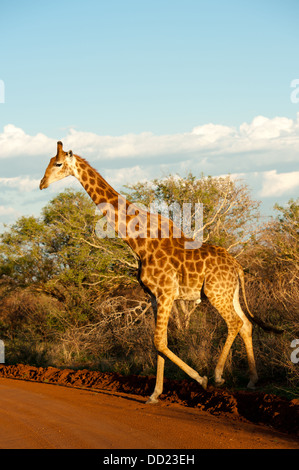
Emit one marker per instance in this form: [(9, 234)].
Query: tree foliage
[(229, 213), (62, 245)]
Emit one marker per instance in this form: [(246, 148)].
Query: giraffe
[(167, 269)]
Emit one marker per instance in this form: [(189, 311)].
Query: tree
[(229, 214), (71, 221), (23, 258), (273, 285), (284, 234), (62, 245), (55, 272), (274, 256)]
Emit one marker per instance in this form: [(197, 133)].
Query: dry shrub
[(25, 326), (120, 337), (276, 301), (117, 333)]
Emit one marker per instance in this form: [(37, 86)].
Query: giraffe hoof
[(219, 382), (152, 401), (251, 385)]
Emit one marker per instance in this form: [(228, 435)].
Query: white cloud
[(20, 183), (210, 133), (14, 142), (261, 134), (5, 210), (122, 176), (264, 153), (262, 128), (278, 184)]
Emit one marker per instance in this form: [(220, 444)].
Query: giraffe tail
[(251, 317)]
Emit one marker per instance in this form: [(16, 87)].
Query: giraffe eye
[(58, 164)]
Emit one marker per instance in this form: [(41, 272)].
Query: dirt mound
[(255, 407)]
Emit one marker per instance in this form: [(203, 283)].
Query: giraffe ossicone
[(171, 266)]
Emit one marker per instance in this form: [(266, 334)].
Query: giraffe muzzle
[(43, 184)]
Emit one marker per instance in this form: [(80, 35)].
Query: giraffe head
[(59, 167)]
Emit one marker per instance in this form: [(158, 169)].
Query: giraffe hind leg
[(224, 305), (234, 327), (246, 335), (229, 308)]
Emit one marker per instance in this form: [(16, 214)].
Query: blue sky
[(147, 88)]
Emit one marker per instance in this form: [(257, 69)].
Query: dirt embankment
[(255, 407)]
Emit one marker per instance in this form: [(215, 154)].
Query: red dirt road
[(44, 416)]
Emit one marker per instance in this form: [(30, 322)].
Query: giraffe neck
[(132, 224), (117, 210), (94, 184)]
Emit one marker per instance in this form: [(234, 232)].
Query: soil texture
[(91, 404)]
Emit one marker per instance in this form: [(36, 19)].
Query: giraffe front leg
[(159, 381), (160, 365), (203, 381), (160, 341)]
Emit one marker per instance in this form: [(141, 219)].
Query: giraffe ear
[(70, 153)]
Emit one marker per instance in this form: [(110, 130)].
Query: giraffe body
[(182, 274), (167, 270)]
